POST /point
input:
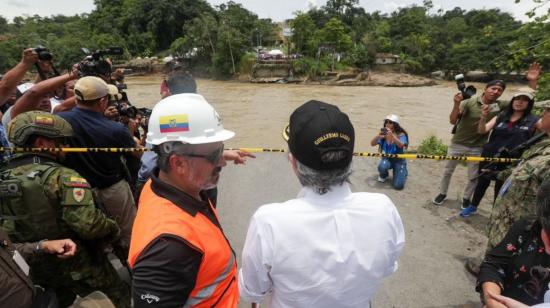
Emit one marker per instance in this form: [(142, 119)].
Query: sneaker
[(468, 211), (381, 179), (465, 203), (439, 199)]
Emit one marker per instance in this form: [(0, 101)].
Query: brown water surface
[(258, 112)]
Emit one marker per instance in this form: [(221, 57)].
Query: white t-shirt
[(328, 250)]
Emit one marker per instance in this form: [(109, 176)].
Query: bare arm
[(491, 287), (374, 140), (15, 75), (32, 97), (453, 117), (67, 105)]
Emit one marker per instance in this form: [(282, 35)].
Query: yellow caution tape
[(259, 150)]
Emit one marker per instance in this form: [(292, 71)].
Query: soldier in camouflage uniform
[(516, 199), (40, 199)]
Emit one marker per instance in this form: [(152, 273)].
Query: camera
[(467, 91), (94, 64), (43, 53), (383, 131), (125, 109)]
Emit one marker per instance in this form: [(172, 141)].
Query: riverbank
[(373, 78)]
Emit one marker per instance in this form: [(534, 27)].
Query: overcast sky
[(277, 10)]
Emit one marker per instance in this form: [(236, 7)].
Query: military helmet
[(38, 123)]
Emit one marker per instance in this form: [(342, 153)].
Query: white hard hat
[(392, 117), (187, 118)]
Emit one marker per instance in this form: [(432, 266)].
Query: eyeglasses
[(539, 276), (213, 157), (388, 121)]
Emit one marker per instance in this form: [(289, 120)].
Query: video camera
[(146, 114), (94, 64), (43, 53), (467, 91)]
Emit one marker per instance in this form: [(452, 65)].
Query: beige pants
[(450, 166), (119, 205)]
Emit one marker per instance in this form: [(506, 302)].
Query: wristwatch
[(38, 247)]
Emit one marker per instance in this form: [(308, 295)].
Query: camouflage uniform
[(516, 199), (40, 199)]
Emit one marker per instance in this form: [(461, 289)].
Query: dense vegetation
[(218, 38)]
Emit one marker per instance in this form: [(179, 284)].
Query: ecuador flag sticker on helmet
[(174, 123), (44, 120)]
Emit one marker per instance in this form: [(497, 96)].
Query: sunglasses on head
[(388, 121), (213, 157)]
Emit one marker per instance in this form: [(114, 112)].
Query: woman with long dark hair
[(509, 129), (392, 139)]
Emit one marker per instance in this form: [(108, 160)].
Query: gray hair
[(322, 180), (543, 205), (167, 149)]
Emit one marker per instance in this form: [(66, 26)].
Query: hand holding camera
[(29, 57), (466, 91)]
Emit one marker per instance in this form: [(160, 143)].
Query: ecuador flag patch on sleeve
[(174, 123)]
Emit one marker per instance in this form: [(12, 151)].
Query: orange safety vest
[(216, 284)]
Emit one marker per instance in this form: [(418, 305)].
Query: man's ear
[(178, 164)]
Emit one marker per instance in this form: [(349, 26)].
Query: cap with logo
[(317, 128), (90, 88)]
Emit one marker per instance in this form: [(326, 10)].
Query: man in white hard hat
[(179, 254)]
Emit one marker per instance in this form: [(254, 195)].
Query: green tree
[(334, 34), (303, 29)]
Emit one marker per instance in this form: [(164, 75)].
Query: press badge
[(21, 262)]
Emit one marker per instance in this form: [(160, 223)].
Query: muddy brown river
[(258, 112)]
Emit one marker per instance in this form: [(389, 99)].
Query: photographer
[(392, 139), (466, 140), (104, 171), (8, 88)]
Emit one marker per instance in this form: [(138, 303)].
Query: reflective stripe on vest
[(207, 291)]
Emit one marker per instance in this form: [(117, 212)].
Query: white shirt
[(328, 250)]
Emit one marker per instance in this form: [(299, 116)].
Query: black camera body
[(383, 131), (94, 64), (43, 53), (125, 109), (467, 91)]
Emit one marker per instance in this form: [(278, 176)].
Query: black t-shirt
[(92, 129)]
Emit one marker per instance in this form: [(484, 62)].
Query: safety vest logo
[(150, 298)]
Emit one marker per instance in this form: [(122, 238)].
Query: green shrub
[(432, 146), (309, 67), (246, 63)]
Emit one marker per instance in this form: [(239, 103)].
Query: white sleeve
[(398, 240), (254, 280)]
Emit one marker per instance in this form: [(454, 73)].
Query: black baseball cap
[(316, 128)]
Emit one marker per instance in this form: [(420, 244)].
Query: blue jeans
[(399, 167)]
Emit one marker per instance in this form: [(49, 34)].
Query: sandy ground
[(431, 272)]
